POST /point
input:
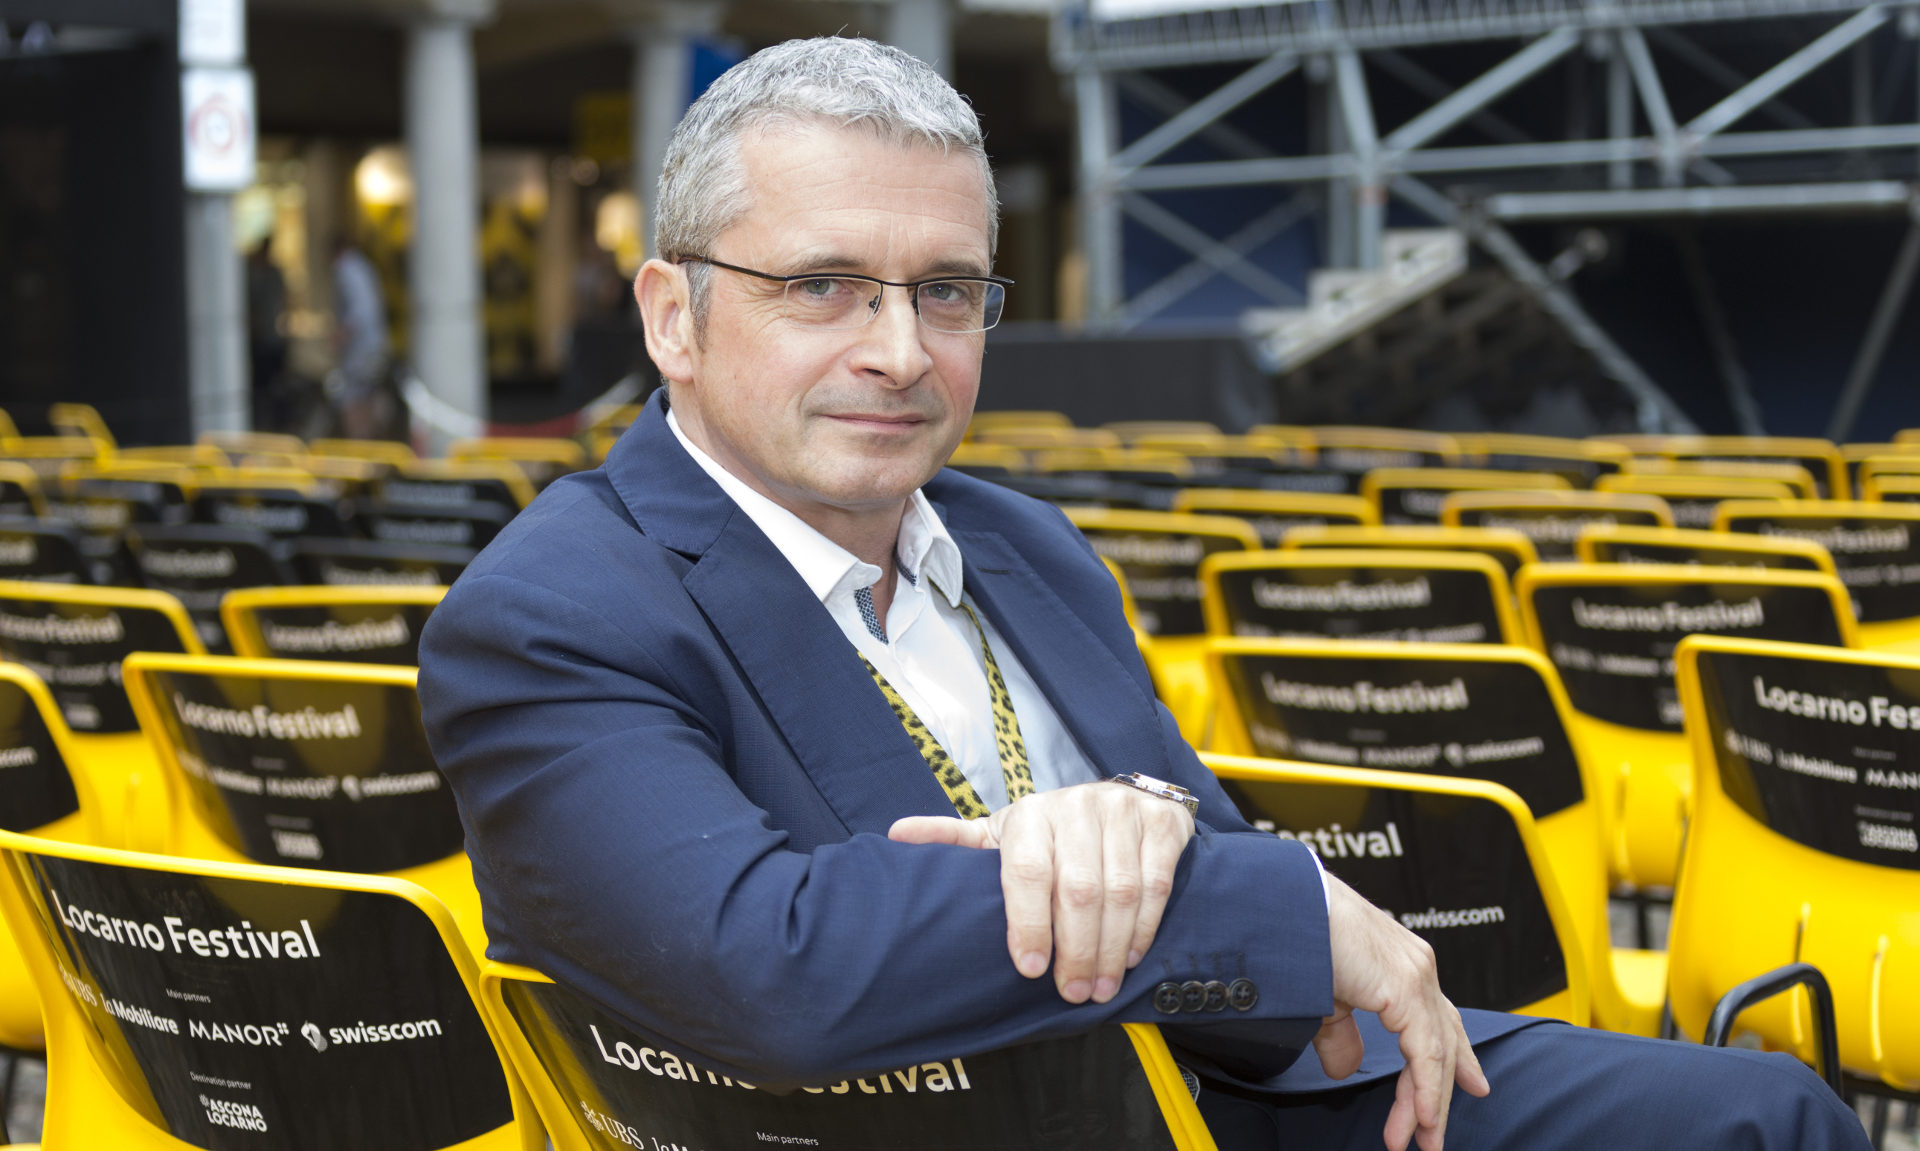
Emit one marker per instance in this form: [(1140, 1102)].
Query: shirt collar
[(925, 548)]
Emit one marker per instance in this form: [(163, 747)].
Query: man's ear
[(666, 311)]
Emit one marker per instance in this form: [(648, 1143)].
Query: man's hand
[(1086, 872), (1380, 966)]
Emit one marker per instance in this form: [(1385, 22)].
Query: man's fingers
[(1120, 874), (1339, 1045), (1160, 853), (1401, 1119), (1079, 900), (1026, 883), (943, 829)]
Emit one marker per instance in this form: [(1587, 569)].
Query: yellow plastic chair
[(1112, 462), (1616, 544), (1160, 552), (1610, 631), (1457, 861), (380, 451), (1510, 549), (1273, 514), (80, 420), (1008, 420), (598, 1084), (459, 482), (1893, 488), (1890, 457), (196, 1004), (47, 455), (20, 490), (7, 429), (180, 455), (1877, 469), (1875, 545), (1581, 462), (1250, 453), (1361, 449), (43, 795), (987, 458), (303, 764), (1694, 500), (237, 444), (76, 639), (1552, 520), (542, 459), (1802, 847), (1820, 457), (1795, 476), (1414, 495), (1479, 711), (1365, 594), (337, 624), (1130, 431)]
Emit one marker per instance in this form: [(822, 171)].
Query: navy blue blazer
[(677, 778)]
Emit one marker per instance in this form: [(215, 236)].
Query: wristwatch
[(1159, 787)]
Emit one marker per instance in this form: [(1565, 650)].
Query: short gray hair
[(842, 81)]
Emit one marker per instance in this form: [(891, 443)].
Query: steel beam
[(1206, 110), (1868, 195), (1224, 260), (1619, 114), (1866, 365), (1432, 87), (1717, 70), (1482, 91), (1653, 97), (1658, 412), (1356, 115), (1099, 207), (1160, 99), (1264, 228), (1784, 74)]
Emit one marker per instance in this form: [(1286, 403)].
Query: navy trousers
[(1556, 1086)]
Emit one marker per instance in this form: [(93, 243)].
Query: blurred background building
[(1561, 216)]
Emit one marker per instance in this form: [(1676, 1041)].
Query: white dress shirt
[(931, 653)]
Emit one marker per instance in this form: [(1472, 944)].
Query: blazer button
[(1216, 995), (1242, 994), (1166, 998), (1193, 996)]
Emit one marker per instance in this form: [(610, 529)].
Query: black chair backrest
[(470, 525), (339, 563), (199, 563), (1453, 869), (305, 769), (1417, 597), (36, 786), (77, 648), (276, 511), (1875, 547), (440, 491), (243, 1011), (45, 551), (1081, 1093)]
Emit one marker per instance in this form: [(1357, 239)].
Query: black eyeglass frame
[(913, 288)]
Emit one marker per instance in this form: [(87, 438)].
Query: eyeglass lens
[(954, 306)]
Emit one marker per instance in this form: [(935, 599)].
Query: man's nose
[(893, 342)]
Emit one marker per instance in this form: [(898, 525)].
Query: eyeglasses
[(955, 305)]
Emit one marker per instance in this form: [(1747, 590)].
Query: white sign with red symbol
[(218, 123)]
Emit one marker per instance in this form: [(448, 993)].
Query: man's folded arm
[(617, 853)]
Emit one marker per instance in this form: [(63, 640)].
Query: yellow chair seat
[(1640, 978)]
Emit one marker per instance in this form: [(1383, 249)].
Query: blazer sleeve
[(595, 752)]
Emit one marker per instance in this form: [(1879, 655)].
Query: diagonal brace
[(1778, 78), (1223, 258), (1199, 270), (1206, 110), (1483, 90)]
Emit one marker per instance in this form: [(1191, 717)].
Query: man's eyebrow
[(835, 262)]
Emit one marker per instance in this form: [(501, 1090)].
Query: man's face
[(832, 422)]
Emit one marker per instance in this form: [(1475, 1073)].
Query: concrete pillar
[(1099, 203), (923, 28), (662, 87), (443, 146), (217, 367)]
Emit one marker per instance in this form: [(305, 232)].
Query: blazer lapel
[(1102, 705), (800, 664)]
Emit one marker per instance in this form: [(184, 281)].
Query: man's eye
[(824, 288)]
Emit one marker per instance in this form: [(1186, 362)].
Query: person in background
[(359, 339), (266, 334)]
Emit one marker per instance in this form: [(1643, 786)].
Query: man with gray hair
[(793, 748)]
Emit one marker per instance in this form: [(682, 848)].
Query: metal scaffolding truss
[(1457, 160)]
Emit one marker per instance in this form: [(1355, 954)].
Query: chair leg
[(6, 1094), (1910, 1124), (1880, 1107)]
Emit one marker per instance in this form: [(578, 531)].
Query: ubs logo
[(312, 1033)]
